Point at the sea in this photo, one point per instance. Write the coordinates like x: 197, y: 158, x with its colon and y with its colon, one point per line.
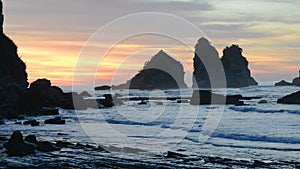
x: 258, y: 131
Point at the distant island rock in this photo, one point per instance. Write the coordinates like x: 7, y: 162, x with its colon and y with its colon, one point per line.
x: 293, y: 98
x: 295, y: 82
x: 161, y: 72
x: 104, y: 87
x: 283, y: 83
x: 235, y: 66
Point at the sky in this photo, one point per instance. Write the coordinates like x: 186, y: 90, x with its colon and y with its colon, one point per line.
x: 51, y: 35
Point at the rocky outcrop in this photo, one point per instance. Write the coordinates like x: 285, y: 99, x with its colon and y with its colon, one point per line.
x: 16, y: 146
x: 161, y: 72
x: 234, y: 64
x: 236, y: 68
x: 104, y: 87
x: 206, y: 97
x: 296, y: 81
x: 293, y: 98
x: 13, y: 76
x: 283, y: 83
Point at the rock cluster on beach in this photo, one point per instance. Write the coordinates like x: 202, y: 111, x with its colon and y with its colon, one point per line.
x: 161, y: 72
x: 235, y: 66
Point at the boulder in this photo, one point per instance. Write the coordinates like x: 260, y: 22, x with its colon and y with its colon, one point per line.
x: 16, y: 146
x: 44, y: 146
x: 296, y: 81
x: 293, y: 98
x: 56, y: 120
x: 234, y: 64
x: 31, y: 122
x: 104, y: 87
x: 161, y: 72
x: 204, y: 97
x: 106, y: 102
x: 283, y: 83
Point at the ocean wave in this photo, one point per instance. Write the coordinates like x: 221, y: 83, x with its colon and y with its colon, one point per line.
x: 127, y: 122
x: 244, y: 137
x: 253, y: 109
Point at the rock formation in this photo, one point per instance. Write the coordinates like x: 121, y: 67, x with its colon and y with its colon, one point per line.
x: 203, y: 50
x: 293, y: 98
x: 206, y: 97
x: 235, y: 66
x: 13, y: 76
x: 161, y: 72
x: 283, y: 83
x: 296, y: 81
x: 16, y: 146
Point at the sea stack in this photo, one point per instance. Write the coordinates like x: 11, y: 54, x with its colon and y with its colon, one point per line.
x: 160, y: 72
x: 203, y: 50
x: 234, y: 64
x: 13, y: 76
x: 236, y: 68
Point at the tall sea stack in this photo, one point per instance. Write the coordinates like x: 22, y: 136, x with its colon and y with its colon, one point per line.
x: 13, y: 76
x: 235, y: 66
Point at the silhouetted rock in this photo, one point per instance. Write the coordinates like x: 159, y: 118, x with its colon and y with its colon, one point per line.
x: 296, y: 81
x: 293, y: 98
x: 17, y: 146
x: 283, y: 83
x: 44, y: 146
x: 104, y: 87
x: 161, y: 72
x: 56, y: 120
x: 13, y: 76
x: 235, y: 66
x: 263, y: 102
x: 171, y: 154
x: 31, y: 122
x: 205, y: 97
x: 106, y: 102
x: 85, y: 94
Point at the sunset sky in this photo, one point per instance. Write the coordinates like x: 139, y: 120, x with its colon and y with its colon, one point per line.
x: 51, y: 33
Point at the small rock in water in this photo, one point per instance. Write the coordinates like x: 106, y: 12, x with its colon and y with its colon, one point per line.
x: 16, y: 146
x: 183, y: 101
x: 18, y: 122
x: 56, y: 120
x: 142, y: 103
x: 263, y: 102
x: 171, y: 154
x: 44, y: 146
x: 31, y: 122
